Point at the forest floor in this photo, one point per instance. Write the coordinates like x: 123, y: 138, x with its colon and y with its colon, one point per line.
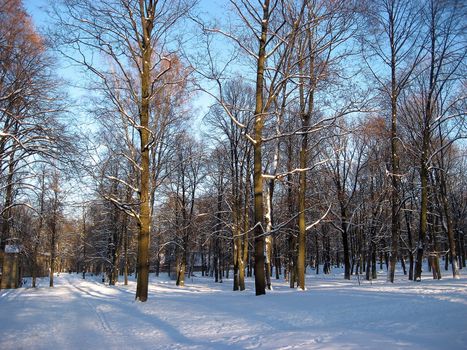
x: 330, y: 314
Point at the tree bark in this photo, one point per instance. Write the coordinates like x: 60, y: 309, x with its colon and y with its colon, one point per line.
x: 144, y: 222
x: 260, y: 285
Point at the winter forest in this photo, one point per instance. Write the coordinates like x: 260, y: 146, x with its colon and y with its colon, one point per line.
x: 164, y: 161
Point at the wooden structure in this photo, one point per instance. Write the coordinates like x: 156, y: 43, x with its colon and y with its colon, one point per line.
x: 11, y: 267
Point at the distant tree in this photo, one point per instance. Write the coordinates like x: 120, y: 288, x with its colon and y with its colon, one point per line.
x: 260, y: 23
x: 29, y: 107
x: 392, y: 40
x: 373, y: 183
x: 54, y: 213
x: 432, y: 103
x: 185, y: 180
x: 328, y: 25
x: 227, y: 136
x: 345, y: 166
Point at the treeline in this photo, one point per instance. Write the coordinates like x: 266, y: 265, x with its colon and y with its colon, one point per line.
x: 34, y: 142
x: 335, y: 138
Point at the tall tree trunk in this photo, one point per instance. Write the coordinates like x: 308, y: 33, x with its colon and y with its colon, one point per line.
x: 126, y: 240
x: 424, y: 177
x: 395, y: 230
x: 290, y: 206
x: 126, y: 260
x: 395, y: 171
x: 144, y: 222
x: 268, y: 238
x: 462, y: 252
x: 277, y: 259
x: 374, y: 273
x: 448, y: 226
x: 268, y: 217
x: 6, y: 213
x: 246, y: 225
x: 317, y: 253
x: 345, y: 242
x: 435, y: 252
x: 410, y: 244
x: 182, y: 268
x: 260, y: 287
x: 424, y: 173
x: 447, y: 217
x: 236, y: 259
x: 301, y: 258
x: 52, y: 250
x: 39, y: 229
x: 306, y: 109
x: 216, y: 253
x: 236, y: 221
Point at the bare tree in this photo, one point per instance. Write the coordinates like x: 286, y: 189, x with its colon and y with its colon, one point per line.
x: 430, y: 104
x: 137, y: 38
x: 393, y: 41
x: 31, y: 134
x: 223, y: 131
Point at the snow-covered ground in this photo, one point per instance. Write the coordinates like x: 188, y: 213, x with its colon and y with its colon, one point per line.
x: 330, y: 314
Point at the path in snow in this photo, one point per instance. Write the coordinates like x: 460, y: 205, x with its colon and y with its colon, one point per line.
x: 332, y: 313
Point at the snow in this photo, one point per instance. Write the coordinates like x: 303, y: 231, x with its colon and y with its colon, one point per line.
x: 331, y: 314
x: 12, y: 249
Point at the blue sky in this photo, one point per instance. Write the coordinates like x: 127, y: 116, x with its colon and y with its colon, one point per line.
x: 37, y: 10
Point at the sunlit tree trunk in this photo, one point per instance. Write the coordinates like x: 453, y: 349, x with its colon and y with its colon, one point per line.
x: 246, y: 224
x: 147, y: 16
x: 53, y: 226
x: 259, y: 115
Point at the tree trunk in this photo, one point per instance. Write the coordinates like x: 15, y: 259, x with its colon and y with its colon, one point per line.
x: 260, y: 287
x: 6, y: 213
x: 126, y: 260
x: 435, y: 254
x: 52, y: 254
x: 246, y: 227
x: 181, y: 270
x: 424, y: 174
x: 449, y: 227
x: 268, y: 223
x: 236, y: 260
x: 147, y: 18
x: 345, y: 244
x: 462, y: 253
x: 409, y: 238
x: 305, y: 116
x: 39, y: 230
x: 277, y: 259
x: 395, y: 171
x: 216, y: 252
x: 317, y: 253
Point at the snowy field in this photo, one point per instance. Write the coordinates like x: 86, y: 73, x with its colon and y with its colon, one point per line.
x: 331, y: 314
